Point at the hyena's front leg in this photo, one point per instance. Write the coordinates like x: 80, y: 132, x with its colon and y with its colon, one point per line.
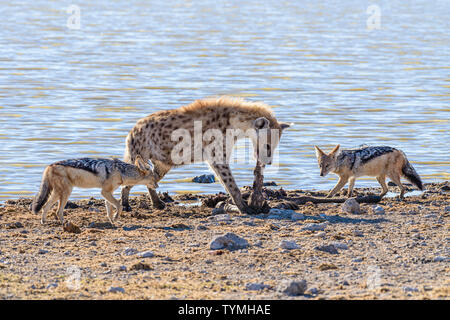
x: 341, y: 183
x: 225, y: 176
x: 125, y: 195
x: 160, y: 171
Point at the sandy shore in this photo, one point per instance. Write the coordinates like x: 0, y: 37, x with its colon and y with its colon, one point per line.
x: 398, y: 250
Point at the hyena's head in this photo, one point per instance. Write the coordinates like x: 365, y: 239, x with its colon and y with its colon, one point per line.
x: 147, y: 175
x: 265, y: 138
x: 327, y: 162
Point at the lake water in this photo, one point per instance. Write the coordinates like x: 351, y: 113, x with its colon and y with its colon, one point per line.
x: 67, y: 93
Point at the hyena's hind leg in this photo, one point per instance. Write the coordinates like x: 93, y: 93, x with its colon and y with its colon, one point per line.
x: 382, y: 181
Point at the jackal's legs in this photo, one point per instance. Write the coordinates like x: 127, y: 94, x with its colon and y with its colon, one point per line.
x: 382, y: 181
x: 53, y: 199
x: 396, y: 179
x: 62, y: 204
x: 108, y: 196
x: 351, y: 184
x: 341, y: 183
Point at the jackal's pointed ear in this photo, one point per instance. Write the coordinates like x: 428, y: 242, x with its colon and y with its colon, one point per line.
x: 261, y: 123
x: 142, y: 166
x: 335, y: 150
x: 285, y: 125
x: 319, y: 152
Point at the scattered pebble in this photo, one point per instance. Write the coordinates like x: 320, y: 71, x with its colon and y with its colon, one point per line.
x: 297, y: 216
x: 256, y: 286
x: 130, y: 251
x: 294, y: 288
x: 315, y: 226
x: 351, y: 206
x: 145, y: 254
x: 229, y: 241
x: 289, y: 245
x: 71, y: 228
x: 327, y: 248
x: 116, y: 290
x: 340, y: 245
x: 204, y: 178
x: 378, y: 210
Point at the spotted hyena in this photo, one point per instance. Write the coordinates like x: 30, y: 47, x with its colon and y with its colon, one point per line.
x: 203, y: 131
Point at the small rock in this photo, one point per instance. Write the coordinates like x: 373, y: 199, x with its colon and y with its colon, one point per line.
x: 410, y: 289
x: 358, y: 233
x: 222, y: 217
x: 297, y: 216
x: 340, y: 245
x: 256, y: 286
x: 294, y: 288
x: 327, y: 266
x: 71, y: 228
x: 313, y: 291
x: 14, y: 225
x: 42, y: 251
x: 141, y: 266
x: 129, y: 251
x: 327, y: 248
x: 103, y: 264
x: 71, y: 205
x: 276, y: 213
x: 51, y: 286
x: 351, y: 206
x: 204, y: 178
x: 357, y: 260
x: 441, y: 259
x: 146, y: 254
x: 378, y: 210
x: 122, y: 268
x: 289, y: 245
x: 116, y: 290
x: 229, y: 241
x: 315, y: 226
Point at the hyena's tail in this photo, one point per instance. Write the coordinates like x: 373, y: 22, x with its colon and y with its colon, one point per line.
x: 411, y: 175
x: 44, y: 193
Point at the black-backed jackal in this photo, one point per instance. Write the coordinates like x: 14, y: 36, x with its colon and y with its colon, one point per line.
x: 59, y: 179
x: 379, y: 162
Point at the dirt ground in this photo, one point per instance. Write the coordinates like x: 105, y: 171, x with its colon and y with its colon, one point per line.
x: 391, y: 250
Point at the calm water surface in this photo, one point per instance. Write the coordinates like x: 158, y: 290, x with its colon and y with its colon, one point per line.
x: 68, y: 93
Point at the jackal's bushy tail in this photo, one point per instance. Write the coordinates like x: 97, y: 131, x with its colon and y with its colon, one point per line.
x: 43, y: 195
x: 410, y: 173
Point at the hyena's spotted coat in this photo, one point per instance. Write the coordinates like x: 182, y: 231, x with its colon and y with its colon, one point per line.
x: 151, y: 138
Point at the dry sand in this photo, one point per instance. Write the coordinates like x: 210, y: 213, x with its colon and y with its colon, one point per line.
x: 397, y: 252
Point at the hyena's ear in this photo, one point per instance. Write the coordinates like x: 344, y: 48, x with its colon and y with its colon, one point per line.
x: 285, y: 125
x: 335, y: 150
x: 261, y: 123
x: 141, y: 165
x: 319, y: 152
